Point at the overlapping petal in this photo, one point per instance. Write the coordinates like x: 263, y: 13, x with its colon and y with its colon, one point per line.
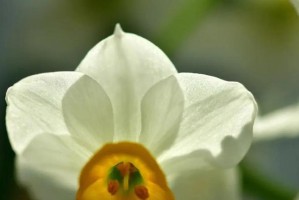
x: 60, y: 155
x: 126, y: 66
x: 35, y: 106
x: 162, y: 109
x: 50, y: 166
x: 217, y: 122
x: 87, y: 112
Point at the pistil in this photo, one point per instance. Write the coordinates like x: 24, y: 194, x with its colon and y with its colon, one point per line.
x: 126, y: 174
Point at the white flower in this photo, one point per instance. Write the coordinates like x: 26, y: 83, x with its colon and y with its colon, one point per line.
x: 131, y: 125
x: 278, y: 124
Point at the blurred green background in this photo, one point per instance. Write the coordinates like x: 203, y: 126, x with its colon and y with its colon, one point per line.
x: 255, y: 42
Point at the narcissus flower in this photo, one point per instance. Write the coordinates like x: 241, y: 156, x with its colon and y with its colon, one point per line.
x: 125, y: 125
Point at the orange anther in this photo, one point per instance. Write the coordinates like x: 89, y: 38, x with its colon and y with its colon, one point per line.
x: 123, y: 168
x: 141, y: 192
x: 113, y: 187
x: 132, y: 168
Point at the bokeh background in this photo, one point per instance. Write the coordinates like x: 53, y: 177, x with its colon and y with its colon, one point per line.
x: 255, y: 42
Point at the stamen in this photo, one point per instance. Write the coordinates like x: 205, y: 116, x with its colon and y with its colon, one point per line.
x: 123, y: 171
x: 141, y: 192
x: 113, y: 187
x: 124, y: 168
x: 132, y: 168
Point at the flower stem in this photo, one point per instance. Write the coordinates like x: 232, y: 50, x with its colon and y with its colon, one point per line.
x: 183, y: 22
x: 257, y: 184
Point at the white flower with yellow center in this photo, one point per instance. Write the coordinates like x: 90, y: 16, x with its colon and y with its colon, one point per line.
x: 125, y: 125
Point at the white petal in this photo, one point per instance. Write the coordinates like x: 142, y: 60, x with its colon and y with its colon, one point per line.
x: 200, y: 159
x: 280, y: 123
x: 217, y: 121
x: 162, y: 109
x: 126, y: 66
x: 40, y: 185
x: 88, y: 113
x: 52, y: 163
x: 34, y: 106
x: 206, y: 185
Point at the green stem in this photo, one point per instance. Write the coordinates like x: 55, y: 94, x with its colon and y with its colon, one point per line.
x: 255, y: 183
x: 182, y: 23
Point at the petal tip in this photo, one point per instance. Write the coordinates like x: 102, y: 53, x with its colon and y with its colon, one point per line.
x: 8, y: 92
x: 118, y: 30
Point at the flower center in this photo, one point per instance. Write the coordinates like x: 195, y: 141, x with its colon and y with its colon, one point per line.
x: 123, y: 171
x: 125, y: 174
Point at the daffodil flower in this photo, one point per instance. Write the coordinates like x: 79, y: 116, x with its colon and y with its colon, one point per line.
x: 126, y: 125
